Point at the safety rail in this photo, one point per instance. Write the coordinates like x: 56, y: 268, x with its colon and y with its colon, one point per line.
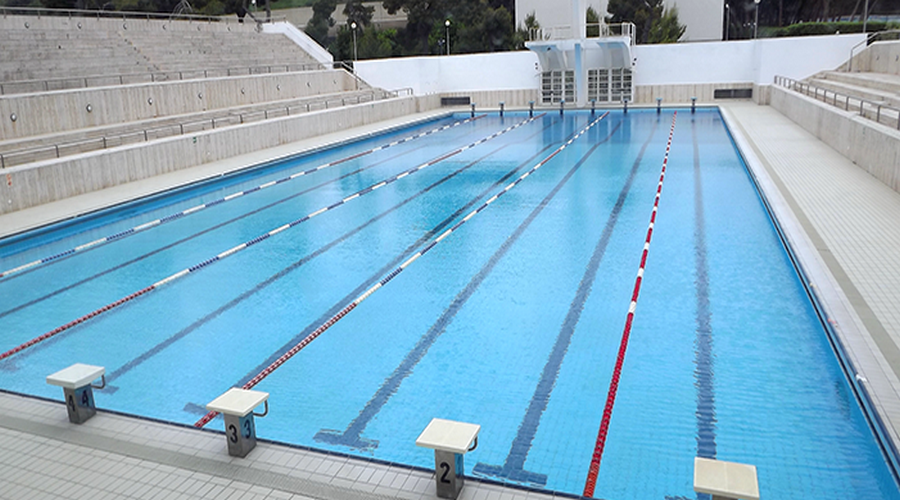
x: 123, y: 14
x: 869, y: 39
x: 80, y: 82
x: 49, y: 152
x: 592, y: 30
x: 872, y: 110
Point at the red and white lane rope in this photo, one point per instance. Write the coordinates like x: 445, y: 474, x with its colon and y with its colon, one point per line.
x: 262, y: 237
x: 623, y: 345
x: 178, y: 215
x: 393, y: 274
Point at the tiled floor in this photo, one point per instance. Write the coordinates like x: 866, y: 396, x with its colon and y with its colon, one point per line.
x: 841, y: 221
x: 111, y: 456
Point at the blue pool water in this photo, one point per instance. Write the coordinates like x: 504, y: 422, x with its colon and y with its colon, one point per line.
x: 513, y: 321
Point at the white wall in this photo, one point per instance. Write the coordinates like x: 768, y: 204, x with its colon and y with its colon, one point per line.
x: 675, y: 63
x: 755, y: 61
x: 745, y: 61
x: 802, y: 57
x: 438, y: 74
x: 303, y: 40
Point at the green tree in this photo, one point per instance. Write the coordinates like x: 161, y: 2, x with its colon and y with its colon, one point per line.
x: 526, y: 33
x: 356, y: 11
x: 321, y: 20
x: 640, y: 12
x: 592, y: 18
x: 666, y: 29
x: 476, y: 25
x: 372, y: 43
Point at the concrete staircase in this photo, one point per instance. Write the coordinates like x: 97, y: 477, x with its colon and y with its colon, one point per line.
x: 46, y: 49
x: 880, y: 88
x: 215, y: 90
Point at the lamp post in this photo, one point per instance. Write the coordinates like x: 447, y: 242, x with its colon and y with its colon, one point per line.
x: 756, y: 22
x: 447, y: 26
x: 353, y: 27
x: 865, y: 16
x: 727, y: 20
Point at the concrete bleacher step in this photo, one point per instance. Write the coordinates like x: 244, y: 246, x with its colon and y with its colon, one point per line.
x: 877, y: 81
x: 32, y: 54
x: 874, y: 95
x: 38, y: 148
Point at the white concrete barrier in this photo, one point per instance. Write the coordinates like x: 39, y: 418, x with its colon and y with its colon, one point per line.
x: 42, y: 182
x: 57, y: 111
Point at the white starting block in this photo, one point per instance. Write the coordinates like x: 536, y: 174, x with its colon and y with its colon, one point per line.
x: 450, y: 441
x: 77, y: 389
x: 236, y: 407
x: 725, y: 480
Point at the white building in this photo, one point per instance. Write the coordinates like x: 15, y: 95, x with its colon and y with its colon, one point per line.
x: 702, y: 18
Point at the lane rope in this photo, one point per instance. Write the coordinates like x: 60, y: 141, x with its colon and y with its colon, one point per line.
x: 393, y: 274
x: 260, y: 238
x: 232, y: 196
x: 623, y: 345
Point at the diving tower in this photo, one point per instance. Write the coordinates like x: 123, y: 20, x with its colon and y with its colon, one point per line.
x: 581, y: 63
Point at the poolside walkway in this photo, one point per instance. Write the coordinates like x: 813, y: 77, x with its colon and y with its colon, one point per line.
x: 841, y: 221
x: 43, y: 456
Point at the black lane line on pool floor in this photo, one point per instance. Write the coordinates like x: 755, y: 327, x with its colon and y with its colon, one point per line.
x: 177, y: 215
x: 376, y: 277
x: 293, y: 351
x: 703, y: 358
x: 263, y: 237
x: 134, y: 363
x: 183, y: 240
x: 352, y: 436
x: 513, y: 467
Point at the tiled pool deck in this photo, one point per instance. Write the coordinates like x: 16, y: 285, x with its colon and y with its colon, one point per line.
x: 841, y: 221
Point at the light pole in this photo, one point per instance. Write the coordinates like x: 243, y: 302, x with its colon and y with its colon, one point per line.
x: 447, y: 26
x: 865, y: 16
x: 727, y: 20
x: 756, y: 22
x: 353, y: 27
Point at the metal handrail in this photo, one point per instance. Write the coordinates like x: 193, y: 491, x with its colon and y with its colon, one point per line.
x: 805, y: 88
x: 866, y: 42
x: 123, y: 14
x: 350, y: 68
x: 401, y: 92
x: 160, y: 76
x: 8, y: 158
x: 565, y: 31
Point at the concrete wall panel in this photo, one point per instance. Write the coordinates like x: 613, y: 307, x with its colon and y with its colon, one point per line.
x: 43, y: 182
x: 48, y: 112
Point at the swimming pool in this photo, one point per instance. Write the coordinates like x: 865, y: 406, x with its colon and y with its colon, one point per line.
x: 513, y: 321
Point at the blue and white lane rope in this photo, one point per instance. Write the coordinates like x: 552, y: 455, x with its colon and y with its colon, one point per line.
x: 258, y: 239
x: 393, y: 274
x: 178, y: 215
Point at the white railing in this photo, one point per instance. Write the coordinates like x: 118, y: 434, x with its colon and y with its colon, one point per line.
x: 80, y: 82
x: 225, y: 118
x: 592, y: 30
x: 865, y: 43
x: 120, y: 14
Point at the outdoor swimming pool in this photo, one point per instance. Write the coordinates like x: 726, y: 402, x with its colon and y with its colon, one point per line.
x: 514, y: 320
